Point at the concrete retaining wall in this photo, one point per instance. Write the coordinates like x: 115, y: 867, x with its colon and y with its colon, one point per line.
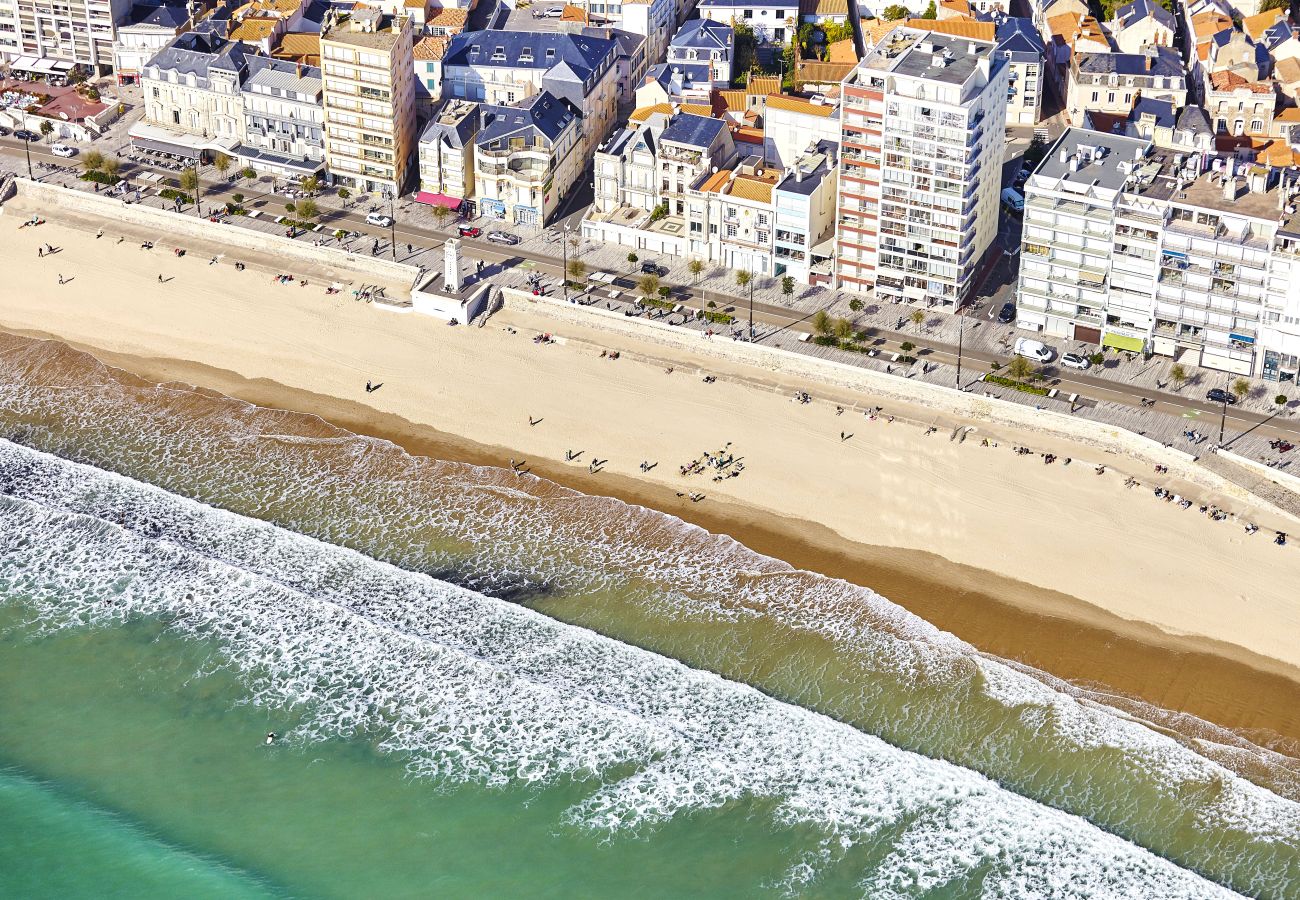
x: 1277, y: 476
x: 881, y: 387
x: 50, y: 197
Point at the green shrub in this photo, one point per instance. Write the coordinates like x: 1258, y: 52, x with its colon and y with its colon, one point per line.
x: 1018, y: 385
x: 101, y: 177
x: 718, y: 318
x: 173, y: 194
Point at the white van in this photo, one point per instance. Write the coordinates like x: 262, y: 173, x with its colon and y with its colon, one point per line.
x: 1014, y: 199
x: 1035, y: 350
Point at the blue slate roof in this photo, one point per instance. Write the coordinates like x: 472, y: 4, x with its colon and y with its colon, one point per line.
x: 703, y: 34
x: 542, y: 114
x: 1166, y: 64
x: 676, y: 77
x: 693, y: 131
x: 197, y: 54
x: 582, y: 54
x: 1141, y: 9
x: 1162, y: 110
x: 1017, y: 35
x: 159, y: 14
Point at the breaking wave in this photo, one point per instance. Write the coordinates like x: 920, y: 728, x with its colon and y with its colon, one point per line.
x: 468, y: 688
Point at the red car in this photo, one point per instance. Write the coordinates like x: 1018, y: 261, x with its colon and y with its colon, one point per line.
x: 470, y: 231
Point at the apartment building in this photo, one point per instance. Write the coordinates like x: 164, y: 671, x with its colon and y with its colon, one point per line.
x: 193, y: 99
x: 149, y: 28
x: 923, y: 118
x: 803, y: 237
x: 792, y: 124
x: 1026, y: 55
x: 283, y: 118
x: 51, y: 38
x: 773, y: 21
x: 1143, y: 249
x: 447, y: 156
x: 505, y: 67
x: 368, y: 94
x: 702, y: 41
x: 1109, y: 82
x: 526, y: 159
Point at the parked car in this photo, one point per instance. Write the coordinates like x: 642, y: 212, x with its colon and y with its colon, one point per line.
x: 1219, y: 395
x: 1013, y: 200
x: 63, y: 150
x: 1035, y: 350
x: 4, y: 132
x: 1075, y: 361
x: 470, y: 231
x: 503, y: 237
x: 24, y: 135
x: 379, y: 219
x: 649, y: 267
x: 1007, y: 314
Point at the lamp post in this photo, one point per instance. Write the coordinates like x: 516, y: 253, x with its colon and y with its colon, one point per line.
x: 961, y: 328
x: 392, y: 222
x: 564, y: 251
x: 751, y: 305
x: 1223, y: 415
x: 27, y: 146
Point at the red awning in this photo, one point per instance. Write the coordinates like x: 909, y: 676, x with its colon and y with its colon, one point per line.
x: 452, y: 203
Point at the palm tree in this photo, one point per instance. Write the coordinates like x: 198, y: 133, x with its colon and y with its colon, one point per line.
x: 222, y: 164
x: 743, y: 277
x: 190, y: 185
x: 695, y: 267
x: 1177, y: 375
x: 440, y: 213
x: 310, y: 185
x: 93, y: 161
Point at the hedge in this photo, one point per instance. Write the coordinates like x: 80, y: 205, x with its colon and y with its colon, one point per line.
x: 1018, y: 385
x: 101, y: 177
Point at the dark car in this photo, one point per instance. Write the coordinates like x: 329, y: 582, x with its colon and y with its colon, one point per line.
x: 470, y: 231
x: 1007, y: 314
x: 653, y: 268
x: 1219, y: 395
x: 24, y: 135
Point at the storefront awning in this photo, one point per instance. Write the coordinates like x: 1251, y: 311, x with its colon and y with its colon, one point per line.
x: 164, y: 147
x: 452, y: 203
x: 1122, y: 342
x: 25, y: 64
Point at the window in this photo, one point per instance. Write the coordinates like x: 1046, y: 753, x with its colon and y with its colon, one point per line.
x: 762, y: 218
x: 748, y: 14
x: 731, y: 231
x: 1094, y: 96
x: 1256, y: 126
x: 1110, y: 98
x: 176, y: 117
x: 155, y: 93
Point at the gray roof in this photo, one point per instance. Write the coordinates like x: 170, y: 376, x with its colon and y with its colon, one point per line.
x: 198, y: 55
x: 582, y: 54
x: 692, y: 130
x: 282, y: 75
x: 1142, y: 9
x: 1019, y: 40
x: 815, y: 167
x: 677, y: 77
x: 1103, y: 170
x: 456, y: 122
x: 159, y: 15
x: 541, y: 114
x: 703, y: 34
x: 1194, y: 119
x: 628, y: 41
x: 1161, y: 110
x: 914, y: 53
x: 1165, y: 63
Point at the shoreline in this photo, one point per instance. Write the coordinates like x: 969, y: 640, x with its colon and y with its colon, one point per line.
x: 1045, y: 565
x: 1063, y: 636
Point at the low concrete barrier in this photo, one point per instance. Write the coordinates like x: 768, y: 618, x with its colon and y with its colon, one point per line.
x: 882, y: 386
x: 49, y: 197
x: 1277, y: 476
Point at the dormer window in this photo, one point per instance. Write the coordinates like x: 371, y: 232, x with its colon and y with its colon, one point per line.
x: 550, y: 53
x: 473, y: 49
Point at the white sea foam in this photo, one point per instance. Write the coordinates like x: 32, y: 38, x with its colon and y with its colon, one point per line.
x: 469, y: 688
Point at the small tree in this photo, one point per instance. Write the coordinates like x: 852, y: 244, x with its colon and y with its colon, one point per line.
x: 190, y: 184
x: 1097, y: 358
x: 917, y: 317
x: 344, y: 194
x: 665, y: 292
x: 856, y: 304
x: 633, y: 259
x: 1020, y: 368
x: 931, y: 11
x: 695, y: 267
x: 787, y: 285
x: 907, y: 346
x: 895, y: 12
x: 1240, y: 388
x: 250, y: 173
x: 93, y: 161
x: 1268, y: 5
x: 577, y: 269
x: 440, y: 213
x: 222, y: 163
x: 290, y: 206
x: 743, y: 277
x: 111, y: 165
x: 1280, y: 399
x: 310, y: 185
x: 46, y: 129
x: 821, y: 322
x: 648, y: 285
x: 1178, y: 375
x: 843, y: 329
x: 238, y: 198
x: 307, y: 209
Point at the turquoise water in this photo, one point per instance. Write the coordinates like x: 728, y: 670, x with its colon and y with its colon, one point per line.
x: 438, y: 741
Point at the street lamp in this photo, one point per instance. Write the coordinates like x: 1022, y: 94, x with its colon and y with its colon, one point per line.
x: 27, y: 145
x: 392, y: 222
x: 751, y: 306
x: 1223, y: 415
x: 961, y: 328
x: 564, y: 251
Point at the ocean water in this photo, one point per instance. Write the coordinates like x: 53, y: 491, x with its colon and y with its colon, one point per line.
x: 487, y: 685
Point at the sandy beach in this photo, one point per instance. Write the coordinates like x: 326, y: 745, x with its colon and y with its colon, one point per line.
x: 1053, y: 565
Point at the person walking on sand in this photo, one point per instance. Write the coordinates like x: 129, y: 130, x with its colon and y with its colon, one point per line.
x: 60, y: 279
x: 160, y: 279
x: 40, y: 251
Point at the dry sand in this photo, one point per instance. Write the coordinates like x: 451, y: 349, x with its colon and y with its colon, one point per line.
x: 998, y: 548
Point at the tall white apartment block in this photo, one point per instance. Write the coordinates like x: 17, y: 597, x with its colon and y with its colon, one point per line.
x: 369, y: 98
x: 1176, y: 254
x: 51, y: 37
x: 922, y: 133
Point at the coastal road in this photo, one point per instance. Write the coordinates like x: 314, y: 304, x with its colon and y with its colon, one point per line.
x: 770, y: 320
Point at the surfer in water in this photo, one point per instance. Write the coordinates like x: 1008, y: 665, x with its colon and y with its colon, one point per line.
x: 270, y: 737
